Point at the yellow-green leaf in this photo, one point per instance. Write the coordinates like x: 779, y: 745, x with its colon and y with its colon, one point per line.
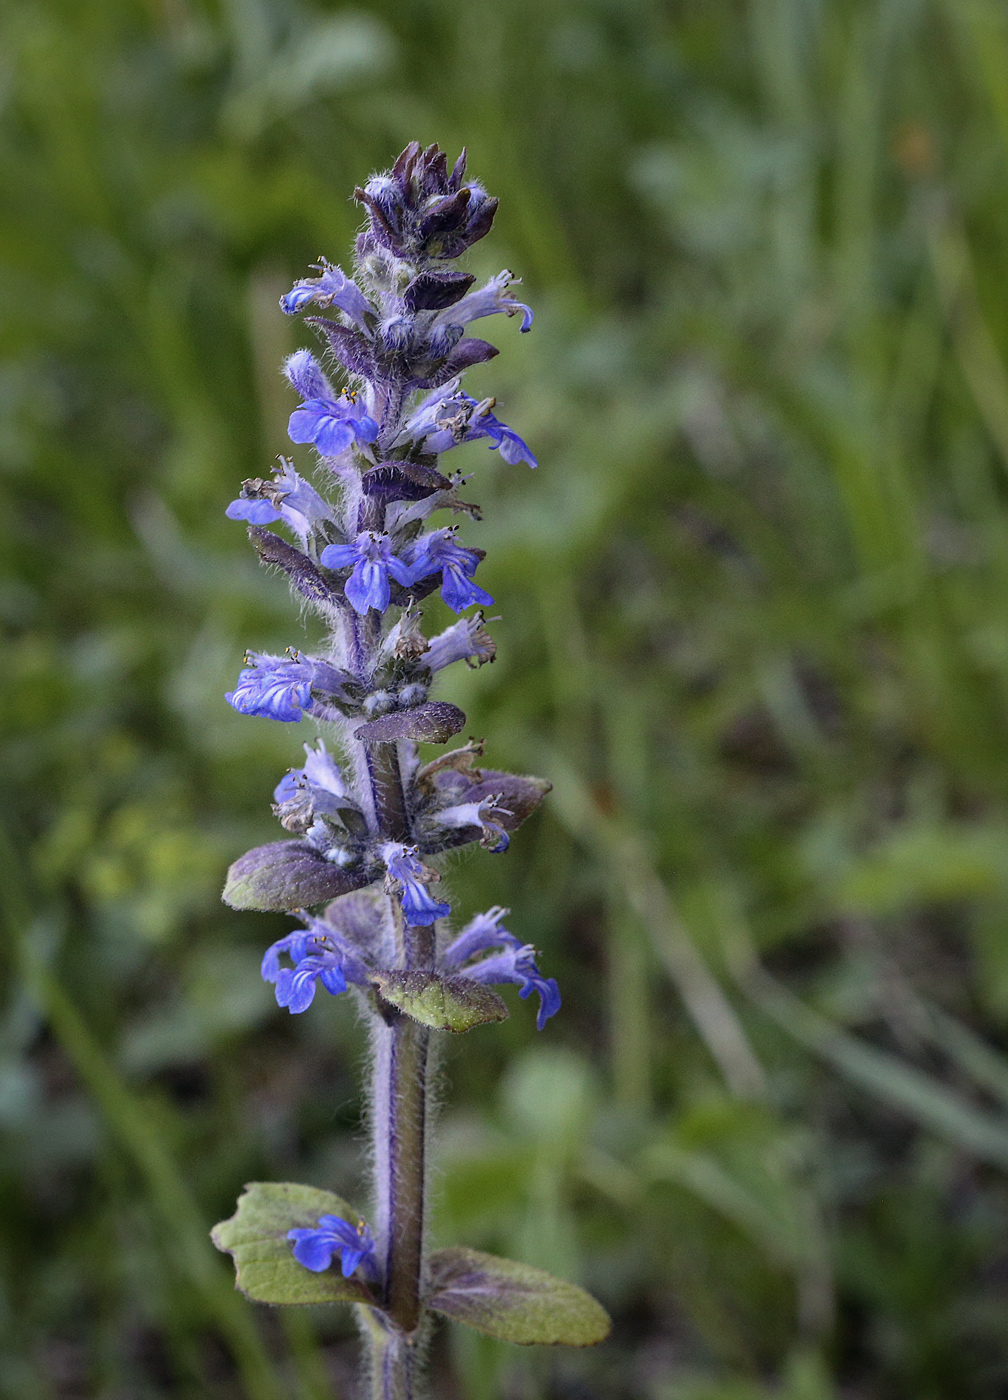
x: 443, y: 1003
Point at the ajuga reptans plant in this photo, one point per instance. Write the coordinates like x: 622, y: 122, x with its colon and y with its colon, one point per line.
x: 369, y: 823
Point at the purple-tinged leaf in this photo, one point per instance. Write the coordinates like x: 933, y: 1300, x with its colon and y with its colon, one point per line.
x: 406, y: 160
x: 379, y: 217
x: 286, y: 875
x: 350, y: 347
x: 513, y: 1302
x: 434, y: 722
x: 519, y: 794
x: 480, y: 225
x: 302, y: 571
x: 458, y: 171
x: 446, y: 215
x: 470, y: 351
x: 361, y: 918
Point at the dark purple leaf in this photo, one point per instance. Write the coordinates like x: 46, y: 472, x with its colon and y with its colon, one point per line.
x: 458, y: 171
x: 402, y: 481
x: 479, y: 226
x: 469, y: 351
x: 519, y: 794
x: 435, y: 168
x: 406, y: 160
x: 447, y: 214
x: 378, y: 220
x: 433, y: 291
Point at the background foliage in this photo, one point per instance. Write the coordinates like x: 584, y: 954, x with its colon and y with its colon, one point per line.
x: 754, y: 628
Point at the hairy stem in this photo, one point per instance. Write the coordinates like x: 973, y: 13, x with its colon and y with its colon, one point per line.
x: 393, y: 1359
x: 400, y: 1122
x: 399, y: 1127
x: 408, y: 1091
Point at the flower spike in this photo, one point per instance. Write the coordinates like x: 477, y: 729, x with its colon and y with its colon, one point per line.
x: 361, y: 532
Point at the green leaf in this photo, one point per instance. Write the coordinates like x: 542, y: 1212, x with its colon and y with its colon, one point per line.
x: 444, y: 1003
x: 256, y: 1237
x: 513, y: 1302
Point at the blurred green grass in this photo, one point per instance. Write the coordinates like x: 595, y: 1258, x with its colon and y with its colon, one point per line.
x: 754, y: 628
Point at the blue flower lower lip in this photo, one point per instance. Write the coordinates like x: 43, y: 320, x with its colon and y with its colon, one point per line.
x: 315, y: 1248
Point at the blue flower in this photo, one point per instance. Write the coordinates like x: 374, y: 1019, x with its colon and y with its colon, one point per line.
x: 515, y: 962
x: 353, y: 1243
x: 273, y: 687
x: 411, y: 877
x: 287, y: 497
x: 314, y: 961
x: 332, y: 425
x: 280, y: 687
x: 465, y: 640
x: 319, y: 953
x: 487, y: 300
x: 371, y: 559
x: 448, y: 417
x: 438, y: 552
x: 331, y: 288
